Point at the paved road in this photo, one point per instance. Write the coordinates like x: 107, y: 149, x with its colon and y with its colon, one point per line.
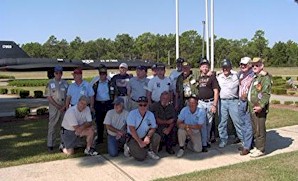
x: 103, y: 167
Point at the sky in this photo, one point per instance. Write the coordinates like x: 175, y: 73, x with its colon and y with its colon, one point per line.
x: 36, y: 20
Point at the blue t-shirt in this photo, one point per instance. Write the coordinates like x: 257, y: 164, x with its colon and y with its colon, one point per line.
x: 134, y: 119
x: 76, y: 91
x: 196, y: 118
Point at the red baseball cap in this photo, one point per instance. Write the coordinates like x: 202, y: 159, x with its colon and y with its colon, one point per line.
x: 77, y: 71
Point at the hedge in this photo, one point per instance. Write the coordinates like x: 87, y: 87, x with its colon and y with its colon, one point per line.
x: 6, y: 77
x: 278, y: 91
x: 41, y: 111
x: 3, y: 91
x: 29, y: 83
x: 21, y: 112
x: 15, y: 91
x: 38, y: 94
x: 24, y: 93
x: 275, y: 102
x: 288, y: 102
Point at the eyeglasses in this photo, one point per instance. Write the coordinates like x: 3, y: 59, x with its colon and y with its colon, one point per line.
x: 142, y: 105
x: 255, y: 65
x: 242, y: 64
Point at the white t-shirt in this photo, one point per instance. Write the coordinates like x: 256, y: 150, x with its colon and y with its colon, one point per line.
x: 157, y: 86
x: 116, y: 120
x: 74, y: 117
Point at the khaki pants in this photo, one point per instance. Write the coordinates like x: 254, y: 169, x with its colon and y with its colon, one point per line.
x: 55, y: 120
x: 140, y: 153
x: 196, y: 140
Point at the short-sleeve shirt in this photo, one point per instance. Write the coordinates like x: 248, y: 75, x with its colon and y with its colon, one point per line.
x: 116, y: 120
x: 165, y: 113
x: 57, y: 90
x: 120, y: 83
x: 157, y: 86
x: 74, y: 117
x: 206, y: 86
x: 134, y: 119
x: 76, y: 91
x: 137, y: 87
x: 196, y: 118
x: 228, y: 85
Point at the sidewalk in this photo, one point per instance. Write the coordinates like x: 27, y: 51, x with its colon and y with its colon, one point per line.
x: 103, y: 167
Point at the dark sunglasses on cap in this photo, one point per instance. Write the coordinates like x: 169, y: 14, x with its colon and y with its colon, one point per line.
x: 142, y: 105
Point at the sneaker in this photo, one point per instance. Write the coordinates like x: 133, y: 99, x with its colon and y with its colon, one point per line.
x: 256, y: 154
x: 180, y: 153
x: 253, y: 150
x: 90, y: 152
x: 222, y: 144
x: 152, y: 155
x: 61, y: 146
x: 126, y: 150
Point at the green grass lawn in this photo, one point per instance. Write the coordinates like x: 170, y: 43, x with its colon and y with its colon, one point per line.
x: 278, y: 167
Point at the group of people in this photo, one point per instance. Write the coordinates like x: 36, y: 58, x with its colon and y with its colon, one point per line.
x: 143, y: 114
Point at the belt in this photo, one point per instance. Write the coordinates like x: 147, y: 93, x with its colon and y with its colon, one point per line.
x: 207, y: 100
x: 229, y: 98
x: 103, y: 102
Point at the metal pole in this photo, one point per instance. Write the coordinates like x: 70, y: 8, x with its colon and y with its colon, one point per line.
x: 212, y: 33
x: 207, y: 30
x: 203, y: 40
x: 177, y: 29
x: 169, y: 58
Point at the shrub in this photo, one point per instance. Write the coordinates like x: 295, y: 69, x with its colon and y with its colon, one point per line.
x: 278, y: 91
x: 24, y: 93
x: 275, y: 102
x: 3, y: 91
x: 279, y: 82
x: 29, y: 83
x: 296, y: 103
x: 276, y: 77
x: 41, y: 111
x: 21, y: 112
x: 291, y: 92
x: 6, y: 77
x: 288, y: 102
x: 15, y: 91
x: 288, y: 78
x: 38, y: 94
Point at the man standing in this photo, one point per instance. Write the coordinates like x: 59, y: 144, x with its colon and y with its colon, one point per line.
x: 77, y: 123
x: 56, y: 93
x: 141, y: 125
x: 115, y: 122
x: 258, y: 97
x: 79, y: 88
x: 158, y: 85
x: 137, y: 86
x: 208, y: 99
x: 119, y: 83
x: 190, y: 121
x: 245, y: 78
x: 229, y: 84
x: 103, y: 99
x: 165, y: 116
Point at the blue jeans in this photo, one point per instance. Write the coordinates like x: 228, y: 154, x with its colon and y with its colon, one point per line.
x: 206, y: 127
x: 229, y: 107
x: 247, y: 125
x: 114, y: 145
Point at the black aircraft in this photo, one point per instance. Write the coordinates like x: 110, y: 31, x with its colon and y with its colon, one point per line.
x: 13, y: 58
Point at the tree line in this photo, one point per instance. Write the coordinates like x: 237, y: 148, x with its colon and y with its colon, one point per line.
x: 161, y: 48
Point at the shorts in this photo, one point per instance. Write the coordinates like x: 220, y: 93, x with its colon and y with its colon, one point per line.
x: 69, y: 138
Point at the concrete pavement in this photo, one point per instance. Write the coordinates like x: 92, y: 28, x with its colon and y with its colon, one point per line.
x: 103, y: 167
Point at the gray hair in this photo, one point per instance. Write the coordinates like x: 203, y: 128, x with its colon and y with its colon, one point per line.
x: 84, y: 98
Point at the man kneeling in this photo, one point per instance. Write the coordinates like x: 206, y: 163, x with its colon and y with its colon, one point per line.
x: 77, y: 123
x: 190, y: 121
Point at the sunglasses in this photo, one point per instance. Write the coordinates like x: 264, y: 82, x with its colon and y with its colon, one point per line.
x: 242, y: 64
x: 142, y: 105
x: 255, y: 65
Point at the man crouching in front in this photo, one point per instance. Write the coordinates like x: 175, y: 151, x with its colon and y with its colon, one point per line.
x: 77, y: 122
x: 141, y: 125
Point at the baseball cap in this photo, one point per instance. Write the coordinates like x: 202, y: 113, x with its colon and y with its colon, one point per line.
x: 58, y: 68
x: 124, y: 65
x: 160, y: 66
x: 154, y: 66
x: 102, y: 68
x: 245, y: 60
x: 184, y: 64
x: 77, y: 71
x: 180, y: 60
x: 257, y: 59
x: 142, y: 67
x: 204, y: 61
x: 226, y: 63
x: 118, y: 100
x: 142, y: 99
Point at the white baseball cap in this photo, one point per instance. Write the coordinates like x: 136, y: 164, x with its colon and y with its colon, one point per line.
x: 245, y: 60
x: 124, y: 65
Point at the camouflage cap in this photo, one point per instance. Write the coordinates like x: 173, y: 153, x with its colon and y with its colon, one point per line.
x: 257, y: 59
